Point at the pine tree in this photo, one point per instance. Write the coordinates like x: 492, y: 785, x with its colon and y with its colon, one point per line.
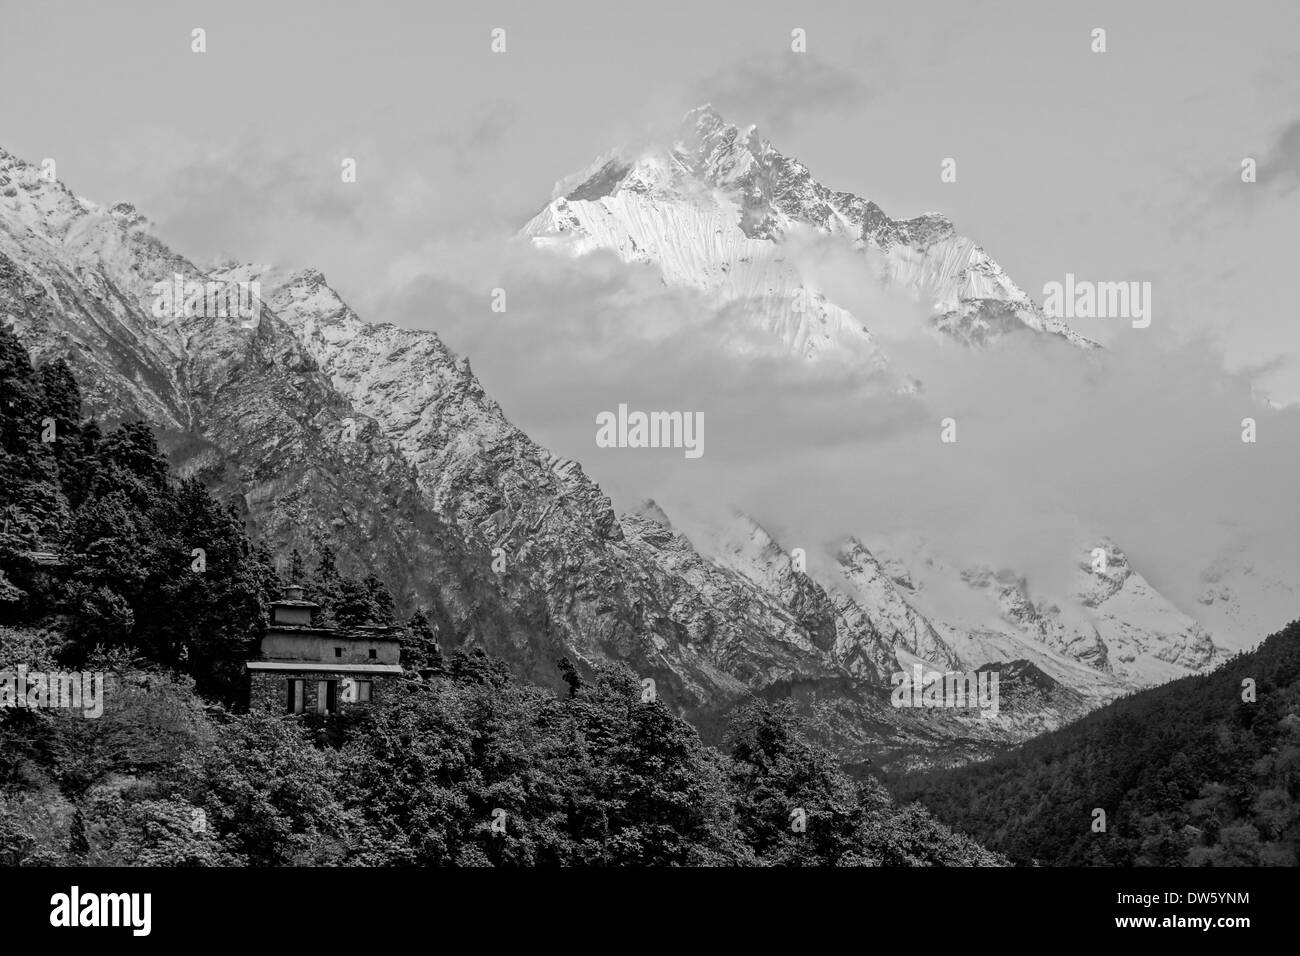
x: 420, y: 645
x: 20, y: 398
x: 326, y: 585
x: 128, y: 460
x: 795, y: 806
x: 33, y: 509
x: 297, y: 569
x: 381, y: 601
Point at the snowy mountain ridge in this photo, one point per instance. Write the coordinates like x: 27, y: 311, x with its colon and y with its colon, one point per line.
x: 383, y: 441
x: 716, y: 209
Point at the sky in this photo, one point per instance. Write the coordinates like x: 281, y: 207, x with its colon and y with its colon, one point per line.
x: 1117, y: 166
x: 1124, y: 164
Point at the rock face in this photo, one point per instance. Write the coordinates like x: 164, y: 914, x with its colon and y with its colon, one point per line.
x: 721, y: 210
x: 247, y: 408
x: 382, y: 441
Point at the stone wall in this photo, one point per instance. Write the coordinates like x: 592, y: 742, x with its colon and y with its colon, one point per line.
x: 269, y: 691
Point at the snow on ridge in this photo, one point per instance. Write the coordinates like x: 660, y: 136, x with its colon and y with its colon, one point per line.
x: 710, y: 210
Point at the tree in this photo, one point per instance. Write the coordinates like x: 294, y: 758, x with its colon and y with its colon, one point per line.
x: 647, y: 792
x: 33, y: 508
x: 363, y: 602
x: 326, y: 584
x: 128, y: 461
x: 272, y: 796
x: 420, y: 645
x: 297, y: 569
x: 61, y: 404
x: 793, y: 805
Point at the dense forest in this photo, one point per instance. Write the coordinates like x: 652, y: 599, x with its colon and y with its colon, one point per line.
x: 109, y: 563
x: 1203, y: 771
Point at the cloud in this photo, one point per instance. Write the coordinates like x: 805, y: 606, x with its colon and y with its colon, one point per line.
x: 249, y: 198
x: 487, y: 129
x: 257, y: 199
x: 781, y: 88
x: 1279, y: 167
x: 1055, y: 448
x: 1141, y: 443
x: 1224, y: 194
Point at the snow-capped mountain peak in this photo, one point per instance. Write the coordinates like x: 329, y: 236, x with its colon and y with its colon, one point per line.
x: 715, y: 209
x: 383, y: 439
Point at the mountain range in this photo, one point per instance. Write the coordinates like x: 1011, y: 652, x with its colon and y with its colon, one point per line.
x: 323, y: 425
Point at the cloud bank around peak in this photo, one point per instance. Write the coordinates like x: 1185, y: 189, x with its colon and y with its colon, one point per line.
x: 1140, y: 443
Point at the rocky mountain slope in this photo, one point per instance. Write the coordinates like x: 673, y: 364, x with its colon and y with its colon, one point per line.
x: 247, y: 408
x: 721, y: 210
x: 382, y: 441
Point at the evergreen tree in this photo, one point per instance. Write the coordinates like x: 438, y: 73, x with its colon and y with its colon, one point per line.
x: 363, y: 602
x: 381, y: 601
x: 61, y: 407
x: 33, y: 508
x: 326, y: 584
x: 420, y: 645
x: 127, y: 460
x: 794, y: 805
x: 297, y: 569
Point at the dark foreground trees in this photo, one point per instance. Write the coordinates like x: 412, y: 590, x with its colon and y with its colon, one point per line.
x: 474, y: 769
x: 157, y: 585
x: 469, y: 768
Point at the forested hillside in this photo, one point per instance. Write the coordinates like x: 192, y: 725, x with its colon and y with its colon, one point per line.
x: 109, y: 563
x: 1203, y: 771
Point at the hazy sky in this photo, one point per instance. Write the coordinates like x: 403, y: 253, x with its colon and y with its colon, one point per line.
x: 1123, y: 165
